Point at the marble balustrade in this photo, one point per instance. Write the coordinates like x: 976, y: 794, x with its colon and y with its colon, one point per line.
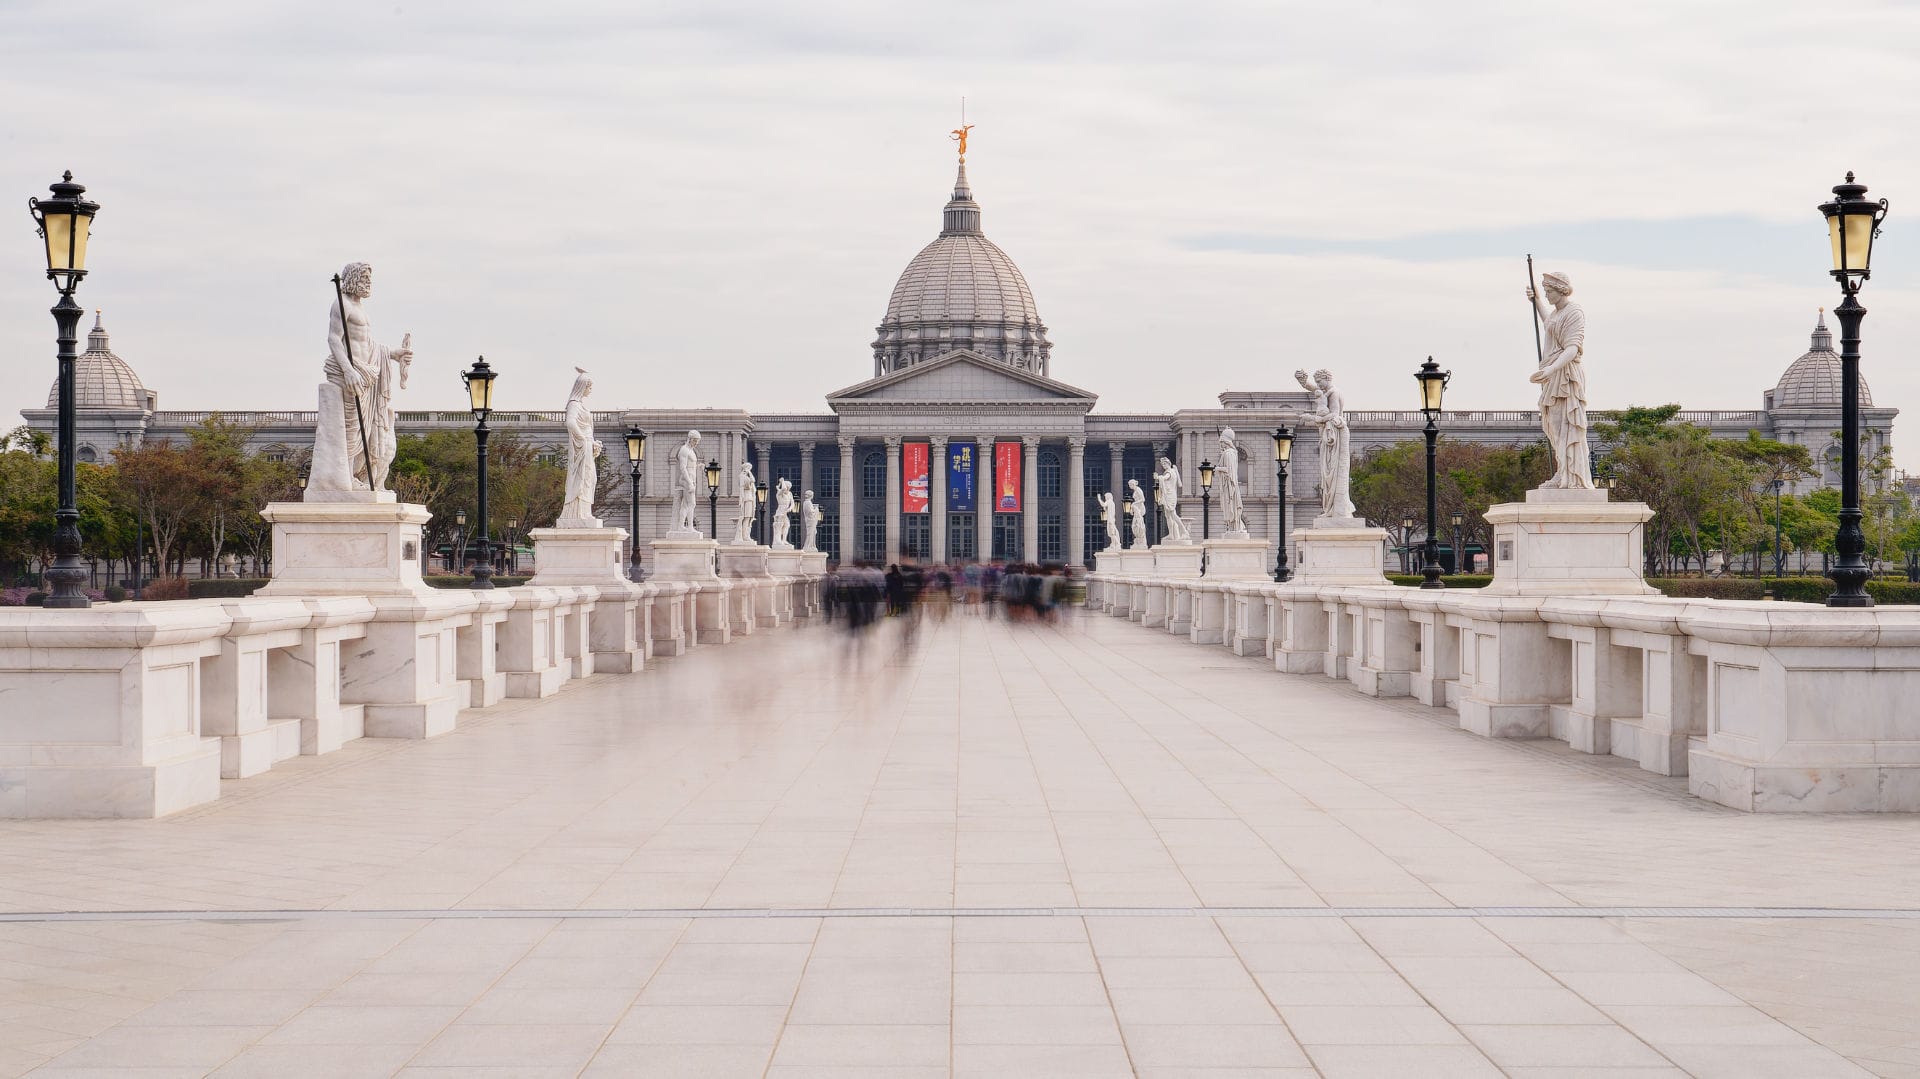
x: 142, y: 709
x: 1762, y: 706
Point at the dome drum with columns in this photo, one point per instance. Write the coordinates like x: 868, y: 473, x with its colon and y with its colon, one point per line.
x: 962, y: 372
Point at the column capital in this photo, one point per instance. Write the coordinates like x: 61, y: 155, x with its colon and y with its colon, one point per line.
x: 892, y: 441
x: 938, y: 442
x: 1116, y: 450
x: 846, y: 443
x: 1030, y: 441
x: 806, y: 447
x: 1077, y: 443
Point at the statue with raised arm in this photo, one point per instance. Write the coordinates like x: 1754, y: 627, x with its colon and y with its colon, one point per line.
x: 782, y: 516
x: 1137, y: 527
x: 1562, y: 377
x: 1226, y: 480
x: 1110, y: 519
x: 686, y: 478
x: 1336, y: 462
x: 743, y: 503
x: 354, y: 443
x: 809, y: 522
x: 1166, y: 490
x: 583, y: 473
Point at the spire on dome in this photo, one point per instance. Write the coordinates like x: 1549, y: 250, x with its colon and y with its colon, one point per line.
x: 97, y: 338
x: 1822, y: 337
x: 962, y: 214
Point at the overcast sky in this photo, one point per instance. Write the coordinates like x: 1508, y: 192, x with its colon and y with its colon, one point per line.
x: 707, y: 203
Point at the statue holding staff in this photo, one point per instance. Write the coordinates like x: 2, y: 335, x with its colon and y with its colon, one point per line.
x: 1562, y: 378
x: 355, y: 443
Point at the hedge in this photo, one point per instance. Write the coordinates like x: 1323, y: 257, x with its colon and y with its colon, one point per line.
x: 223, y: 587
x: 1458, y: 580
x: 466, y: 581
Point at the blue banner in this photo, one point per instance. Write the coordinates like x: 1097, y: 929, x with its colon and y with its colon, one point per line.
x: 960, y: 458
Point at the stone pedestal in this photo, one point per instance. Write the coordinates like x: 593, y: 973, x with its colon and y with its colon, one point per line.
x: 692, y: 560
x: 368, y: 547
x: 578, y: 556
x: 1340, y: 551
x: 1170, y: 560
x: 785, y: 567
x: 1568, y: 543
x: 745, y: 566
x: 1238, y: 558
x: 234, y: 703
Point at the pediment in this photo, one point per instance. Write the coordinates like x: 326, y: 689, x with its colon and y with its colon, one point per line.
x: 961, y: 377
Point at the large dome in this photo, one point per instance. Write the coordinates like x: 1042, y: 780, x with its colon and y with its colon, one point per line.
x: 1813, y: 380
x: 101, y: 379
x: 961, y: 291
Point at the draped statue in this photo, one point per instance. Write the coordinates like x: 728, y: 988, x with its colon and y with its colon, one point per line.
x: 1226, y: 479
x: 1336, y: 460
x: 782, y: 516
x: 743, y: 502
x: 583, y: 472
x: 1167, y: 486
x: 1562, y: 377
x: 354, y: 441
x: 1138, y: 524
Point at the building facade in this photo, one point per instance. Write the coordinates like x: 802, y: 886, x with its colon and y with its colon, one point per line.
x: 962, y: 445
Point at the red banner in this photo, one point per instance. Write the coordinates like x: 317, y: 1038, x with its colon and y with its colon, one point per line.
x: 1006, y: 477
x: 913, y: 462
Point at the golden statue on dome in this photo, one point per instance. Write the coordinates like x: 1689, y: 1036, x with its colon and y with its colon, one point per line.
x: 959, y: 135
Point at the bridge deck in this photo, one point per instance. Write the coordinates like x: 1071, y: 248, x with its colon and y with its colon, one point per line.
x: 1089, y: 849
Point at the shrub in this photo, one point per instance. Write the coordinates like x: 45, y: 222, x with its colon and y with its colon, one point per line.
x: 1457, y: 580
x: 36, y: 599
x: 465, y: 581
x: 115, y: 593
x: 14, y: 597
x: 223, y: 587
x: 165, y: 588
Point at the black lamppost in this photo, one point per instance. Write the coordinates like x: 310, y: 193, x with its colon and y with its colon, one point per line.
x: 1206, y: 500
x: 479, y: 380
x: 1406, y: 543
x: 1779, y: 551
x: 1852, y: 223
x: 1282, y: 456
x: 513, y: 545
x: 1433, y: 386
x: 636, y: 453
x: 458, y: 561
x: 760, y: 509
x: 1126, y: 517
x: 65, y: 221
x: 1459, y: 553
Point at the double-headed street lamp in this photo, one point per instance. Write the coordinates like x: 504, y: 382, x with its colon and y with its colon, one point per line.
x: 65, y: 221
x: 713, y: 499
x: 1433, y: 386
x: 636, y: 453
x: 1206, y: 500
x: 1852, y: 223
x: 479, y: 379
x: 1282, y: 456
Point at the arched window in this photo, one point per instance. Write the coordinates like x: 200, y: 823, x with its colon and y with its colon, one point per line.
x: 87, y: 455
x: 1049, y: 474
x: 873, y: 476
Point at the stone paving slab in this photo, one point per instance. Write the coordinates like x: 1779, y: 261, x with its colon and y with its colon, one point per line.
x: 1089, y: 849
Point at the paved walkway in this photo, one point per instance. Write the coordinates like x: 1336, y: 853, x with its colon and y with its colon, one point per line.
x: 1003, y: 851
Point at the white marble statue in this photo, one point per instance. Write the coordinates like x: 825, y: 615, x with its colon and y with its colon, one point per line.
x: 686, y: 478
x: 583, y: 454
x: 743, y: 503
x: 782, y: 516
x: 1226, y: 480
x: 1166, y: 490
x: 1562, y: 377
x: 356, y: 401
x: 809, y: 522
x: 1138, y: 525
x: 1336, y: 461
x: 1110, y: 518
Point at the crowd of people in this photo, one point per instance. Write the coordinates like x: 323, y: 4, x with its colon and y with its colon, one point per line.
x: 861, y: 594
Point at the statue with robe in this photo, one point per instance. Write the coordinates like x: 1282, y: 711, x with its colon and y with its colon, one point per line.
x: 354, y: 443
x: 1336, y: 460
x: 583, y: 473
x: 782, y: 515
x: 1110, y: 519
x: 1166, y: 490
x: 809, y: 522
x: 1138, y: 524
x: 743, y: 503
x: 1562, y: 377
x: 1226, y: 480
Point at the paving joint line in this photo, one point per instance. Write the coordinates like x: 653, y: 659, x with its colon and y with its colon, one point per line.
x: 658, y: 913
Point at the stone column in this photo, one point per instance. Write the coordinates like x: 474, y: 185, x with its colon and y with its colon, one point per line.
x: 1030, y: 505
x: 1116, y: 483
x: 847, y: 531
x: 763, y: 473
x: 983, y: 502
x: 893, y: 498
x: 937, y: 496
x: 1076, y: 501
x: 806, y: 470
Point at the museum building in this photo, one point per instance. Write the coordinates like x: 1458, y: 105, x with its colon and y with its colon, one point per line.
x: 962, y: 445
